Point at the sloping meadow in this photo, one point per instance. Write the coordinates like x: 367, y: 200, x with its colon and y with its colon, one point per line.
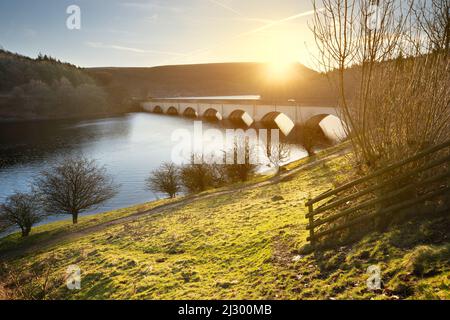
x: 245, y: 245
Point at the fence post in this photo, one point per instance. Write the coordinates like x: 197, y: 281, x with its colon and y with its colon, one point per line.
x: 311, y: 223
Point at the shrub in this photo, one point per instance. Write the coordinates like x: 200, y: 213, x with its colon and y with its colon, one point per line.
x: 165, y: 180
x: 242, y: 167
x: 198, y: 177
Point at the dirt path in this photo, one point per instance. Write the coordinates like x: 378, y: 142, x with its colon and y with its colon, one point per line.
x: 59, y: 238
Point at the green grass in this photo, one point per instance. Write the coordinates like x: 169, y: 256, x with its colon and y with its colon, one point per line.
x: 243, y: 245
x: 46, y: 231
x: 50, y: 230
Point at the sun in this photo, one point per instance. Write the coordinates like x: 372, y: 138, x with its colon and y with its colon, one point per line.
x: 279, y: 70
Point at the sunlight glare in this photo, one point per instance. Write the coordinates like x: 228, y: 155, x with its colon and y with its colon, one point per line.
x: 279, y: 70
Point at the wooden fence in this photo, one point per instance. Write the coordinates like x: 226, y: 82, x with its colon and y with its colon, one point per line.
x: 321, y: 215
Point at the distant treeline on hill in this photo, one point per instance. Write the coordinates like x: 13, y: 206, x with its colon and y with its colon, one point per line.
x: 219, y: 79
x: 46, y: 88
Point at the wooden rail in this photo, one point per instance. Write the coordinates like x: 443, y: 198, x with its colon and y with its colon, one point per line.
x: 398, y: 181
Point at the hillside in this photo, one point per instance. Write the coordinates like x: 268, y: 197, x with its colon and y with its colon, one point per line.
x: 248, y: 243
x: 17, y: 70
x: 219, y: 79
x: 46, y: 88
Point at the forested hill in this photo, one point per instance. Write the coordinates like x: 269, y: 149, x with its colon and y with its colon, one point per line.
x: 17, y: 70
x: 219, y: 79
x: 44, y: 88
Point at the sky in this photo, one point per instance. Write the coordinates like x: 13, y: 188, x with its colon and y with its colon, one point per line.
x: 144, y: 33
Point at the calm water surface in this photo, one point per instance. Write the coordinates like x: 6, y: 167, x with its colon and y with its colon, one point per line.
x: 129, y: 146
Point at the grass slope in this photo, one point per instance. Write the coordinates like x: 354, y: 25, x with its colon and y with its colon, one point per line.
x: 241, y: 245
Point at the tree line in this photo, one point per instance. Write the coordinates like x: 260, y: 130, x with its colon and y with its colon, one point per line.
x: 48, y: 88
x: 171, y: 179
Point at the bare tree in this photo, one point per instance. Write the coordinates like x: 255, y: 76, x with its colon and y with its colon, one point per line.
x: 278, y: 153
x: 74, y: 185
x: 394, y: 96
x: 165, y: 180
x: 22, y: 210
x: 433, y: 19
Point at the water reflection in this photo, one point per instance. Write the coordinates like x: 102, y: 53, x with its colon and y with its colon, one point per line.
x: 30, y: 142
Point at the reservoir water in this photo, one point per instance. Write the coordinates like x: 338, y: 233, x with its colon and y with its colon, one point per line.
x: 129, y: 146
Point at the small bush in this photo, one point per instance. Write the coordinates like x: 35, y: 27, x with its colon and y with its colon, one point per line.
x: 198, y: 177
x: 165, y: 180
x: 242, y: 167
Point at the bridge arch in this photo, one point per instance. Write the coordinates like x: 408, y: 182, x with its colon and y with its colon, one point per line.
x: 330, y: 125
x: 157, y: 109
x: 316, y: 120
x: 212, y: 114
x: 278, y: 120
x: 190, y: 113
x: 241, y: 117
x: 172, y: 111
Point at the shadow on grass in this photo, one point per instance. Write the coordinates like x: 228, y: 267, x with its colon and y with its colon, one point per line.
x: 426, y: 237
